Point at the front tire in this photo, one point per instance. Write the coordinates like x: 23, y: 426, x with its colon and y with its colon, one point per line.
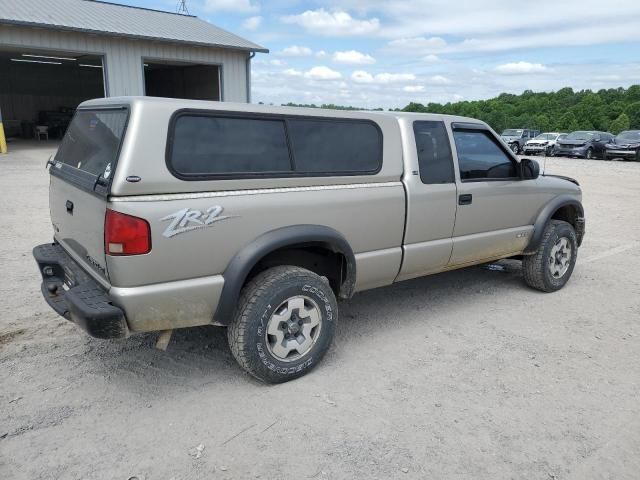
x: 515, y: 148
x: 550, y: 268
x: 589, y: 154
x: 284, y: 323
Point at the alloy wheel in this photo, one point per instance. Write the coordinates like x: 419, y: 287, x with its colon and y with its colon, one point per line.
x: 560, y: 258
x: 294, y: 328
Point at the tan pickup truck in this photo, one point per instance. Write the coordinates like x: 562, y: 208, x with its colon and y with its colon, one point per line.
x: 173, y: 213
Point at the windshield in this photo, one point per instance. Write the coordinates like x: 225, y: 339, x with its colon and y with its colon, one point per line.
x: 512, y: 132
x: 630, y: 136
x: 92, y: 141
x: 580, y: 136
x: 546, y: 136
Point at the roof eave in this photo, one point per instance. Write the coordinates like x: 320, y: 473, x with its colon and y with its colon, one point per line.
x: 257, y: 48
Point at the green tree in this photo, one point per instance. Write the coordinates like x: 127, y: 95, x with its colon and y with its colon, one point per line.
x: 620, y: 124
x: 633, y: 111
x: 567, y: 122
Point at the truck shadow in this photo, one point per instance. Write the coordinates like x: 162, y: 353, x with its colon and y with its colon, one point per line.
x: 200, y: 356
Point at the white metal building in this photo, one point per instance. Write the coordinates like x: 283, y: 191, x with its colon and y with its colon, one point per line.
x: 56, y: 54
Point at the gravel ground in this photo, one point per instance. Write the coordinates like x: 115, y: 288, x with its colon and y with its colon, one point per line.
x: 463, y: 375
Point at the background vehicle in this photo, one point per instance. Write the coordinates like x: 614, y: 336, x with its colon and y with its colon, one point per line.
x: 172, y: 213
x: 544, y: 143
x: 584, y: 144
x: 625, y: 145
x: 517, y: 137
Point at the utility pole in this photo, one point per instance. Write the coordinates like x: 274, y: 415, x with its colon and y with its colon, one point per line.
x: 182, y: 8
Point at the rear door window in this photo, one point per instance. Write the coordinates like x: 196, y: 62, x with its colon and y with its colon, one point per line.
x: 434, y: 152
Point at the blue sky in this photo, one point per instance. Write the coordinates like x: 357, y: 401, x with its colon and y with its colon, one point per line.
x: 373, y: 53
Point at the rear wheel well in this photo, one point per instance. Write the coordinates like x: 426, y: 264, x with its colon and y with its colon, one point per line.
x: 314, y: 257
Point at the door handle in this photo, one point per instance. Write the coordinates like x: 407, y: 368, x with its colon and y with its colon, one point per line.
x: 69, y: 206
x: 465, y: 199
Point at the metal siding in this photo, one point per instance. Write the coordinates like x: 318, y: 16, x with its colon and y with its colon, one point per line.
x: 120, y: 20
x: 123, y: 57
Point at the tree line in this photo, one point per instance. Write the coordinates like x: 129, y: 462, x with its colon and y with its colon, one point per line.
x: 611, y: 110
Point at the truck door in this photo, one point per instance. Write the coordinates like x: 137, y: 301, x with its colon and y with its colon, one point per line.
x: 496, y: 208
x: 431, y: 198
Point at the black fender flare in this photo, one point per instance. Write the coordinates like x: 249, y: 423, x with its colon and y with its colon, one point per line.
x: 545, y: 215
x: 243, y: 262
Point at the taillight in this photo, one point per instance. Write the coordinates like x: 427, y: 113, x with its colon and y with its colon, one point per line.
x: 125, y: 234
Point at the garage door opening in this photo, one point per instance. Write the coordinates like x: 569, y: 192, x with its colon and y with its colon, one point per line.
x: 181, y: 80
x: 42, y: 89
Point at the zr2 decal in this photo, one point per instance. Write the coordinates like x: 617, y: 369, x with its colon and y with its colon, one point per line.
x: 188, y: 219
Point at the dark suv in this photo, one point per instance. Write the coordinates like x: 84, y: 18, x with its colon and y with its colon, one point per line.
x: 583, y: 144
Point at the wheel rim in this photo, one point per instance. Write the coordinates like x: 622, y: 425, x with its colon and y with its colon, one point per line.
x: 560, y: 258
x: 589, y: 154
x: 293, y: 329
x: 514, y: 148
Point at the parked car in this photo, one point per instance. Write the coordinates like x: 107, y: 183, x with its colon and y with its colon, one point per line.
x: 625, y: 145
x: 583, y: 144
x: 517, y: 137
x: 545, y: 143
x: 173, y: 213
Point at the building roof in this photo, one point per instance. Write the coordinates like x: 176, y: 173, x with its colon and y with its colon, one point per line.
x: 98, y: 17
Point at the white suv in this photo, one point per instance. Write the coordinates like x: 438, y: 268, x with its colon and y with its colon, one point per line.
x: 544, y: 143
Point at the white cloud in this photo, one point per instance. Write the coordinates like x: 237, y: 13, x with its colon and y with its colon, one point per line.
x: 413, y: 88
x: 252, y: 23
x: 360, y: 76
x: 292, y: 72
x: 439, y: 80
x: 394, y: 77
x: 353, y: 57
x: 322, y: 73
x: 520, y: 68
x: 277, y: 62
x: 296, y: 51
x: 321, y: 54
x: 431, y: 58
x: 406, y: 19
x: 333, y: 23
x: 237, y: 6
x: 417, y: 44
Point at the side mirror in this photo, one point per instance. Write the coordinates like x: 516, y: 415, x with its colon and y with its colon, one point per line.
x: 597, y: 139
x: 530, y: 169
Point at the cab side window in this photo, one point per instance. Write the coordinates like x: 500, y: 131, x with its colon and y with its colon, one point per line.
x: 480, y: 156
x: 434, y: 152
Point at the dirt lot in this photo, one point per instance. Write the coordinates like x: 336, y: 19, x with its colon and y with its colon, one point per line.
x: 465, y: 375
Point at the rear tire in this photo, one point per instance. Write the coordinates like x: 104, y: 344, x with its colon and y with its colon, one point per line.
x: 284, y: 323
x: 550, y: 268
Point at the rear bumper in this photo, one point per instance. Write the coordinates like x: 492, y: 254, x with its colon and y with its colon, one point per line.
x: 73, y: 294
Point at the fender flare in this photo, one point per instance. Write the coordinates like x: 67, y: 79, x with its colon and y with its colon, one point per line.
x: 545, y: 215
x: 243, y: 262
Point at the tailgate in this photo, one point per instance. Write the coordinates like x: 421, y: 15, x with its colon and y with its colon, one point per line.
x: 80, y: 179
x: 78, y: 221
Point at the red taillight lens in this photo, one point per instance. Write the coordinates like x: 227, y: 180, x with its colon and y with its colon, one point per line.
x: 125, y: 234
